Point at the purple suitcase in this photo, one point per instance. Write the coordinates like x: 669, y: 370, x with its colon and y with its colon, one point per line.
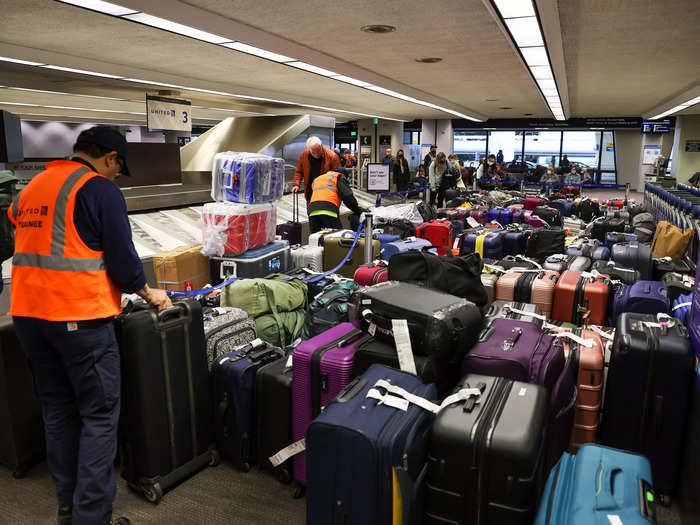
x: 291, y: 230
x: 642, y: 297
x: 321, y: 368
x: 518, y: 350
x: 481, y: 216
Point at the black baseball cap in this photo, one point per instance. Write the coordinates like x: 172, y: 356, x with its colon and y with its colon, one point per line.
x: 108, y: 138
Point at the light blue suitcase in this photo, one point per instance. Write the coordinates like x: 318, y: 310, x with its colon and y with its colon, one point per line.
x: 412, y: 243
x: 598, y: 486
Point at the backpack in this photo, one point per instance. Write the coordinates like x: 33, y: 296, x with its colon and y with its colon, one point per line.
x: 429, y: 213
x: 329, y: 308
x: 670, y: 241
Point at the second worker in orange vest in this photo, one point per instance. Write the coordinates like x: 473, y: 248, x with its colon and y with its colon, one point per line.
x: 72, y: 241
x: 327, y: 192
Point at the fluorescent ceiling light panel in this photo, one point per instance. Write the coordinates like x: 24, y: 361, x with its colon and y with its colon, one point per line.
x: 353, y: 81
x: 515, y: 8
x: 174, y: 27
x: 80, y: 71
x: 694, y: 101
x: 525, y: 31
x: 547, y: 84
x: 103, y: 7
x: 542, y: 73
x: 18, y: 61
x: 313, y: 69
x: 258, y: 52
x: 549, y: 92
x: 154, y: 83
x: 535, y: 56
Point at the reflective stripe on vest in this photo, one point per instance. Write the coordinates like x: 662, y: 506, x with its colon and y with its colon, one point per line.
x: 57, y: 261
x: 325, y: 189
x: 329, y: 185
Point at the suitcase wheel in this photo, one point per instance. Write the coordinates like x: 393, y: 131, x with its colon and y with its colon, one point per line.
x: 283, y: 475
x: 152, y: 491
x: 299, y: 492
x: 215, y: 458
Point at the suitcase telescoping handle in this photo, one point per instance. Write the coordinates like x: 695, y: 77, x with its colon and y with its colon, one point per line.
x: 179, y: 313
x: 295, y: 208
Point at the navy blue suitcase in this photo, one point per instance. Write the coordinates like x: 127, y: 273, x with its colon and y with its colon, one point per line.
x: 563, y: 206
x: 234, y: 378
x: 515, y: 243
x: 366, y: 461
x: 488, y: 244
x: 642, y: 297
x: 634, y: 255
x: 616, y: 237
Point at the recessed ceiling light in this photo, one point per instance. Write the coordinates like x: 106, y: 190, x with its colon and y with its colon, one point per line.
x: 379, y: 29
x: 515, y: 8
x: 429, y: 60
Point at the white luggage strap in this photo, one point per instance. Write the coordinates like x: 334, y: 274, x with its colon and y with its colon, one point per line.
x: 602, y: 333
x: 397, y: 397
x: 580, y: 340
x: 681, y: 305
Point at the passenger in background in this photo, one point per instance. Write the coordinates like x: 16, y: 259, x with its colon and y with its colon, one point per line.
x: 315, y: 160
x: 388, y: 158
x: 586, y: 177
x: 565, y: 164
x: 401, y: 174
x: 429, y: 158
x: 421, y: 181
x: 487, y: 169
x: 499, y: 156
x: 350, y: 160
x: 573, y: 176
x: 327, y: 192
x: 466, y: 175
x: 438, y: 169
x: 549, y: 175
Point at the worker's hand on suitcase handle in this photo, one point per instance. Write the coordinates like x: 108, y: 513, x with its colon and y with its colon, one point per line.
x: 295, y: 189
x: 154, y: 297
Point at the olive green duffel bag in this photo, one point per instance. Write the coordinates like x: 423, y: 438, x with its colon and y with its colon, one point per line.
x: 263, y: 296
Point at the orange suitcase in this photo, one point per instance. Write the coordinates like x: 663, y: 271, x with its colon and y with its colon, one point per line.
x: 589, y: 360
x: 528, y: 286
x: 580, y: 298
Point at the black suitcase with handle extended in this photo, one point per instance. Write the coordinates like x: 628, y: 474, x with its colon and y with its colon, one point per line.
x: 485, y: 458
x: 439, y: 324
x: 648, y: 391
x: 166, y: 423
x: 273, y: 390
x: 21, y: 425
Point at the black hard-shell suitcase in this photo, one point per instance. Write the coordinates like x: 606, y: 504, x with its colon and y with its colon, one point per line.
x: 439, y: 324
x: 647, y: 393
x: 666, y: 265
x: 617, y: 272
x: 634, y: 255
x: 166, y: 421
x: 274, y: 399
x: 442, y: 372
x: 484, y: 461
x: 21, y: 424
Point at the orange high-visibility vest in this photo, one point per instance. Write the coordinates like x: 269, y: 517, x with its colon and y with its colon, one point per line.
x: 325, y: 188
x: 55, y: 276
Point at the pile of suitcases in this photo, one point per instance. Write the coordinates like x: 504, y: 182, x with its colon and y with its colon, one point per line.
x: 484, y: 350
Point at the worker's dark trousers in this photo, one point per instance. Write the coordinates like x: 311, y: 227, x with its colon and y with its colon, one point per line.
x: 77, y: 379
x: 321, y: 222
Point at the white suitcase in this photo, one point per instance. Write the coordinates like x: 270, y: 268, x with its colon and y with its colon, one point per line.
x: 310, y: 257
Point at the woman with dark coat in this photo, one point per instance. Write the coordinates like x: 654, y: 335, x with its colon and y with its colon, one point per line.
x: 401, y: 174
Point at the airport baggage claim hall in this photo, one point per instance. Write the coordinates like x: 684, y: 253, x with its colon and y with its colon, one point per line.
x: 369, y: 263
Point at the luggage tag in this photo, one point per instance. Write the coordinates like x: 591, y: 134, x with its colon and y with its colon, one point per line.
x: 401, y: 398
x: 288, y: 452
x: 403, y: 345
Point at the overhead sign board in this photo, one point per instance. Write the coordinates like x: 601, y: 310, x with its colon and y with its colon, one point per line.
x: 168, y: 114
x: 377, y: 177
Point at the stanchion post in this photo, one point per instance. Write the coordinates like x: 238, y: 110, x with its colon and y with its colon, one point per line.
x: 522, y: 186
x: 627, y: 190
x: 369, y: 224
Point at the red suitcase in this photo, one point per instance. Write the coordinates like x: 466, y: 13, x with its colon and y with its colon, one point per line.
x: 532, y: 202
x: 580, y: 298
x: 367, y: 275
x: 439, y: 232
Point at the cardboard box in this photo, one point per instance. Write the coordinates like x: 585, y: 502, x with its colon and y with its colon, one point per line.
x: 181, y: 269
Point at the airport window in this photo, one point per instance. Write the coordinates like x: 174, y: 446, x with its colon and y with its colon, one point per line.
x: 470, y: 146
x: 608, y: 174
x: 509, y: 144
x: 411, y: 137
x: 542, y: 147
x: 582, y: 148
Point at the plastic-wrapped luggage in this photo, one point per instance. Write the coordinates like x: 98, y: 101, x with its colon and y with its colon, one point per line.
x: 478, y: 449
x: 226, y: 328
x: 410, y: 211
x: 579, y: 296
x: 258, y: 262
x: 387, y: 484
x: 598, y: 485
x: 249, y: 178
x: 322, y: 368
x: 646, y: 399
x: 439, y: 324
x: 234, y: 378
x: 231, y: 229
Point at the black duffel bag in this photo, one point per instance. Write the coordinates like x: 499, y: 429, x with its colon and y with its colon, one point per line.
x: 601, y: 227
x: 455, y: 275
x: 544, y: 242
x: 549, y: 215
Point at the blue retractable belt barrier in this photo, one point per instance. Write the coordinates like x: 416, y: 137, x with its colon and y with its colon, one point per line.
x: 580, y: 185
x: 194, y: 293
